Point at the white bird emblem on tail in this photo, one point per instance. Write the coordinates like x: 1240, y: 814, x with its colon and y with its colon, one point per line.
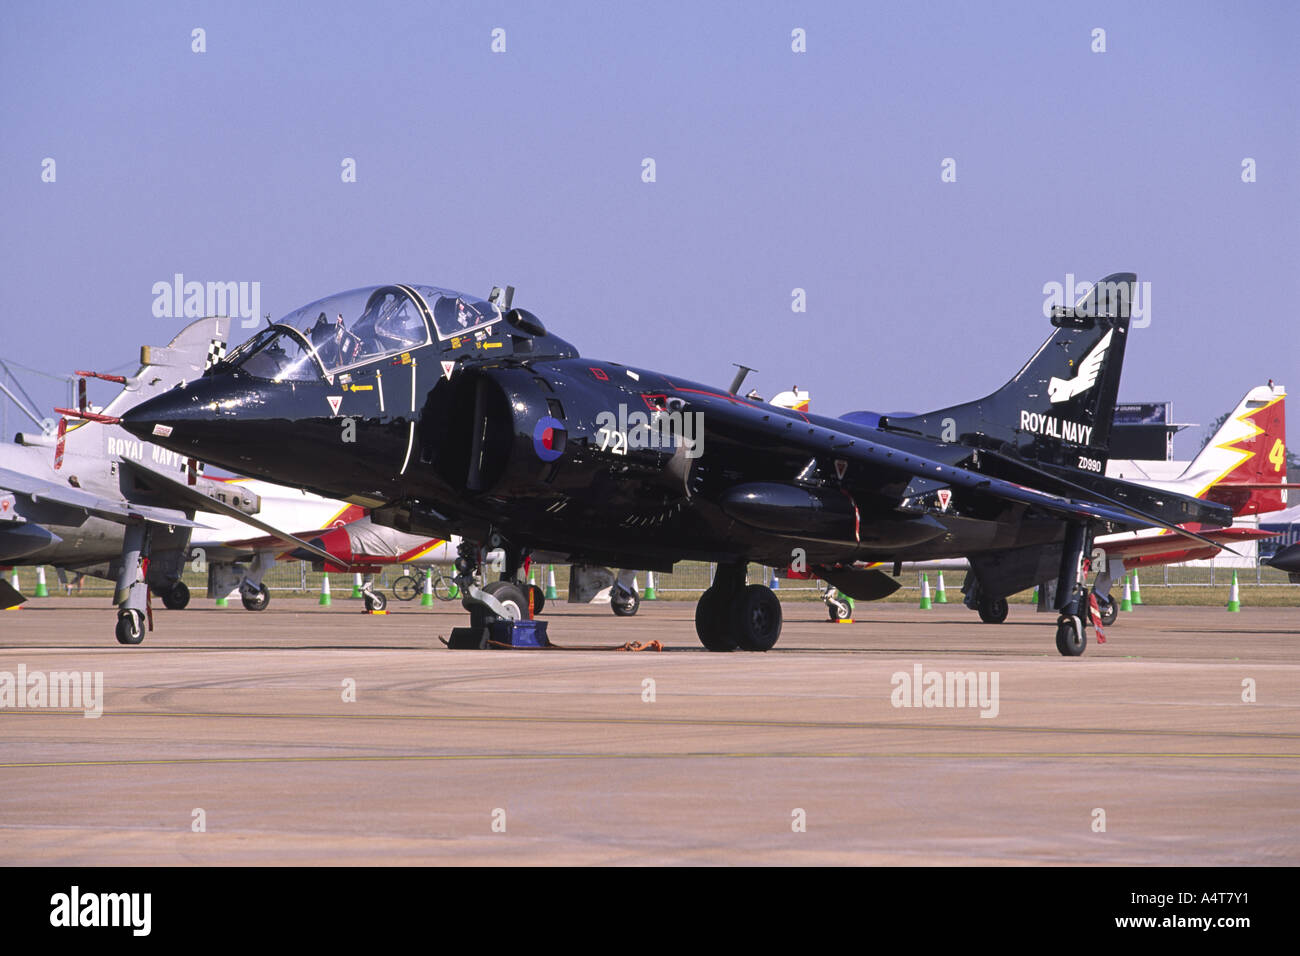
x: 1062, y: 390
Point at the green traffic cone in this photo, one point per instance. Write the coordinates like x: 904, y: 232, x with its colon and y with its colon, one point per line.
x: 1126, y: 603
x: 325, y: 590
x: 1234, y: 595
x: 1137, y: 589
x: 650, y: 594
x: 925, y: 593
x: 939, y: 596
x: 426, y: 599
x: 41, y: 589
x: 551, y: 593
x: 356, y: 587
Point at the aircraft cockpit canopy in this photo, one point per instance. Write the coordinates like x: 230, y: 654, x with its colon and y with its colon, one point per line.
x: 279, y: 354
x: 456, y: 314
x: 356, y: 328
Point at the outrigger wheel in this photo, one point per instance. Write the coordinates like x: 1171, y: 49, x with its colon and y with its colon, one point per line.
x: 1109, y: 609
x: 176, y: 597
x: 624, y: 603
x: 255, y: 600
x: 1071, y: 638
x: 993, y: 610
x: 130, y: 626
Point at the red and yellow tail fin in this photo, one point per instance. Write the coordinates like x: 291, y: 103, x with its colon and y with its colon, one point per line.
x: 1244, y: 465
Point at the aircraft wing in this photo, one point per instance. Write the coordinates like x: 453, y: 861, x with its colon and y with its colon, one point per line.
x: 1143, y: 545
x: 39, y: 489
x: 866, y: 462
x: 201, y: 502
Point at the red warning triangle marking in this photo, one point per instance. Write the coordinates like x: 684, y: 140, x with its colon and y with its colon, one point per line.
x: 841, y: 466
x: 335, y: 401
x: 945, y: 496
x: 448, y: 368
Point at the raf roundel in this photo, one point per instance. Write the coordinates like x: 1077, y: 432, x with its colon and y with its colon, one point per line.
x: 548, y: 438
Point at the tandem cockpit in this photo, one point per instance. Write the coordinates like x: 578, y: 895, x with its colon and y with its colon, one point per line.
x: 360, y: 327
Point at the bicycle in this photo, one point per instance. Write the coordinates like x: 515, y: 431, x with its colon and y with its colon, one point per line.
x: 408, y: 586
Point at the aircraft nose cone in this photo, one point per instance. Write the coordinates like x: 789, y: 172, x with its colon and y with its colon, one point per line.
x: 158, y: 419
x: 1288, y: 559
x: 206, y: 419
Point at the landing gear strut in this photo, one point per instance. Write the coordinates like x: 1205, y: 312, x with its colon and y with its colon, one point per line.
x: 733, y: 615
x: 502, y: 600
x: 132, y: 594
x: 1071, y: 594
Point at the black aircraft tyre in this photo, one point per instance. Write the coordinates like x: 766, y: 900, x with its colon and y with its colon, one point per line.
x: 1070, y: 636
x: 756, y: 618
x: 625, y: 604
x: 256, y: 600
x: 539, y: 598
x: 176, y: 597
x: 130, y: 627
x: 839, y: 610
x: 711, y: 621
x: 511, y: 596
x: 375, y: 601
x: 1109, y: 609
x: 993, y: 610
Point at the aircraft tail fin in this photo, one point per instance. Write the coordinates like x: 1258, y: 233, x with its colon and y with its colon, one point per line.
x: 1057, y: 409
x: 1245, y: 456
x: 196, y: 347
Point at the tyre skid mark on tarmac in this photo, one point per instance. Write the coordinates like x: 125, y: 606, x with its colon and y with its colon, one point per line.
x: 680, y: 722
x: 650, y: 755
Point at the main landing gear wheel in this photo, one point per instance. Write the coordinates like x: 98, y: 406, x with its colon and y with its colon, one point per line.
x: 375, y: 601
x: 756, y: 618
x: 1109, y: 609
x: 176, y: 597
x: 625, y: 603
x: 711, y: 621
x: 511, y: 596
x: 1070, y: 636
x: 256, y: 600
x: 839, y: 610
x: 130, y: 627
x: 993, y: 610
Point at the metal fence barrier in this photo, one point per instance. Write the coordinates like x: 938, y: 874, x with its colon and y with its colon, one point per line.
x: 689, y: 579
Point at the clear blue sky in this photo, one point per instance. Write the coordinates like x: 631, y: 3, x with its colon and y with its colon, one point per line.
x: 775, y: 170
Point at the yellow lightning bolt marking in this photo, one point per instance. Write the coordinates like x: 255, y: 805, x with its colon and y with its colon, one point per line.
x: 1230, y: 446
